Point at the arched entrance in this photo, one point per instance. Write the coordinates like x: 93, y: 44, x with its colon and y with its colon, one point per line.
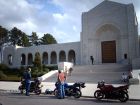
x: 108, y: 42
x: 30, y: 59
x: 108, y: 51
x: 62, y: 56
x: 10, y: 59
x: 23, y: 59
x: 53, y: 58
x: 45, y: 58
x: 71, y: 56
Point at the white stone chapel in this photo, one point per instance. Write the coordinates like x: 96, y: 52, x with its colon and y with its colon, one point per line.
x: 109, y: 34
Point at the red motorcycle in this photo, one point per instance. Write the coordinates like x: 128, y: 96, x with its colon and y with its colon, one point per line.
x: 111, y: 92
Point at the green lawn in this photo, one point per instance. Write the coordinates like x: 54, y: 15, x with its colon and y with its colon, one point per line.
x: 11, y: 78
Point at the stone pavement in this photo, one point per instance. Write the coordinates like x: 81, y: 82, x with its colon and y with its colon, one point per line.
x: 110, y: 73
x: 90, y: 74
x: 88, y: 91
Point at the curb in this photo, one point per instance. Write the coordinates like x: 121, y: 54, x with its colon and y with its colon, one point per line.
x: 134, y: 99
x: 128, y: 100
x: 16, y: 91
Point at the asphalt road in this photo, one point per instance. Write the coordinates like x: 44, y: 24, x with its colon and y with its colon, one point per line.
x: 17, y: 99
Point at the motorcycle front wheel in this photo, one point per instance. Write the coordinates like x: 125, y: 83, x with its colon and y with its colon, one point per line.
x: 123, y: 97
x: 77, y: 94
x: 56, y: 92
x: 23, y: 91
x: 38, y: 92
x: 98, y: 95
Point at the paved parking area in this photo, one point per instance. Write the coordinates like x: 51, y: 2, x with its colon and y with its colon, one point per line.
x: 12, y: 87
x: 18, y: 99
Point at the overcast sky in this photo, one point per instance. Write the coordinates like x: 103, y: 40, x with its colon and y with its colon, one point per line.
x: 61, y: 18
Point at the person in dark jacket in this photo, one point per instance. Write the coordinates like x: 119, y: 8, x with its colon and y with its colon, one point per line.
x: 92, y: 59
x: 27, y: 77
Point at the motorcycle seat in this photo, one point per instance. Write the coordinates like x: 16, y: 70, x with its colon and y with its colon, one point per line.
x: 70, y: 86
x: 120, y: 87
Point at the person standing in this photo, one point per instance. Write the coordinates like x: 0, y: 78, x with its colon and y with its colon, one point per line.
x: 61, y: 80
x: 27, y: 78
x: 124, y: 77
x: 92, y: 59
x: 70, y: 71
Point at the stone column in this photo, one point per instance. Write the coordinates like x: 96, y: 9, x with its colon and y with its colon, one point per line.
x: 66, y: 56
x: 57, y: 56
x: 49, y: 58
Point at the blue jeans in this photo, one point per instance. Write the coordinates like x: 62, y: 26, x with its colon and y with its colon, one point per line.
x: 27, y: 88
x: 61, y: 90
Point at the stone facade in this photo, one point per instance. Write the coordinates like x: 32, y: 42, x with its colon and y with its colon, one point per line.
x: 109, y: 21
x: 50, y: 54
x: 109, y: 35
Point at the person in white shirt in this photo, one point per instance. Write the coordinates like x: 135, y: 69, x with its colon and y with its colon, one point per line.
x: 124, y: 77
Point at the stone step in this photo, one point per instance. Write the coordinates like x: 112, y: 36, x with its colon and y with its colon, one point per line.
x: 91, y: 77
x: 102, y: 68
x: 109, y: 77
x: 111, y: 73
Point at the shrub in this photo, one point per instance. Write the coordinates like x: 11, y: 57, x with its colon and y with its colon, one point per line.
x: 21, y: 71
x: 52, y: 67
x: 36, y: 72
x: 45, y: 69
x: 4, y: 68
x: 2, y: 75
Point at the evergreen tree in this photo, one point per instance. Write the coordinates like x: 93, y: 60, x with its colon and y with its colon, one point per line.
x: 3, y: 35
x: 48, y: 39
x: 34, y: 38
x: 37, y: 61
x: 25, y: 41
x: 15, y: 36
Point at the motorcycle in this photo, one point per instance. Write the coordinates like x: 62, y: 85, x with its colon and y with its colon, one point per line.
x: 70, y: 90
x: 34, y: 87
x: 111, y: 92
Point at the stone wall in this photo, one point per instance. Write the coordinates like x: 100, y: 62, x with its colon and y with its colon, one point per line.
x: 109, y: 14
x: 17, y: 52
x: 136, y: 63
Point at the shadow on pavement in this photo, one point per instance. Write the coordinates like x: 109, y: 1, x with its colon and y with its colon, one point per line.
x: 93, y: 100
x: 52, y: 97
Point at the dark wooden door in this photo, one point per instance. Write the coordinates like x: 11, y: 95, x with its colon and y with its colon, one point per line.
x: 108, y: 52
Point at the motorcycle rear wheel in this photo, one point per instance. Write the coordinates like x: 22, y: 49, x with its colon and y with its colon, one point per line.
x: 56, y: 93
x: 124, y: 97
x: 77, y: 94
x: 98, y: 95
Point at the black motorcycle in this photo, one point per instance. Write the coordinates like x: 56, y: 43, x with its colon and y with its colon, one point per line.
x: 111, y: 92
x: 70, y: 90
x: 34, y: 87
